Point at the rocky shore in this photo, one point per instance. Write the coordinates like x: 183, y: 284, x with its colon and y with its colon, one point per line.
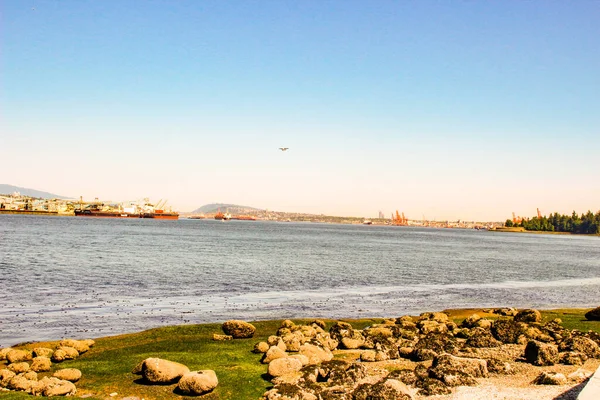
x: 407, y: 358
x: 494, y: 353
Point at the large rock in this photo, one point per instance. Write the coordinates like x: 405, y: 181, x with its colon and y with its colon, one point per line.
x: 458, y: 371
x: 19, y: 383
x: 261, y: 347
x: 198, y: 382
x: 581, y: 344
x: 42, y: 352
x: 434, y: 316
x: 432, y: 387
x: 340, y: 330
x: 156, y: 370
x: 5, y: 376
x: 284, y: 366
x: 288, y: 391
x: 273, y: 353
x: 54, y: 387
x: 572, y: 358
x: 481, y: 338
x: 388, y: 389
x: 538, y: 353
x: 315, y: 354
x: 550, y: 378
x: 593, y: 315
x: 4, y: 352
x: 15, y: 356
x: 65, y: 353
x: 238, y: 329
x: 68, y: 374
x: 528, y: 315
x: 18, y: 367
x: 41, y: 364
x: 508, y: 331
x: 79, y: 345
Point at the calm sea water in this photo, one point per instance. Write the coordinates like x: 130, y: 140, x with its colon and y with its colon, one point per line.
x: 80, y: 277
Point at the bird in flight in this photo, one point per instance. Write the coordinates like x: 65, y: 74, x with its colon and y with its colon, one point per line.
x: 283, y: 148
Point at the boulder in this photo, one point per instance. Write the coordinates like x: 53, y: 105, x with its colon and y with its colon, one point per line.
x: 528, y: 315
x: 261, y: 347
x: 18, y: 367
x: 340, y: 330
x: 430, y: 326
x: 78, y: 345
x: 302, y: 358
x: 432, y: 387
x: 31, y: 375
x: 550, y: 378
x: 42, y: 352
x: 198, y: 382
x: 498, y: 366
x: 572, y: 358
x: 238, y: 329
x: 284, y: 366
x: 440, y: 343
x: 15, y: 356
x: 481, y: 338
x: 315, y: 354
x: 388, y: 389
x: 41, y: 364
x: 68, y: 374
x: 434, y: 316
x: 19, y: 383
x: 593, y: 315
x: 508, y: 331
x: 470, y: 321
x: 5, y: 376
x: 581, y: 344
x: 458, y: 371
x: 156, y: 370
x: 65, y: 353
x: 288, y: 391
x: 54, y: 387
x: 538, y: 353
x: 272, y: 354
x: 293, y: 341
x: 4, y: 352
x: 221, y: 338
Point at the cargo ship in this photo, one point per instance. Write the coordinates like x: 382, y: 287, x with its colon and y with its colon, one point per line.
x: 223, y: 217
x: 122, y: 210
x: 90, y: 212
x: 244, y: 218
x: 160, y: 214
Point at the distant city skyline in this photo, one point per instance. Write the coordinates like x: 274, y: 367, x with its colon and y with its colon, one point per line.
x: 442, y: 110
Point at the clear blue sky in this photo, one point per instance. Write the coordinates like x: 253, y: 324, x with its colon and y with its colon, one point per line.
x: 443, y: 109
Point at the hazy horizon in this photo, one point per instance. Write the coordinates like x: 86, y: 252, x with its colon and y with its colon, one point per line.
x: 442, y: 110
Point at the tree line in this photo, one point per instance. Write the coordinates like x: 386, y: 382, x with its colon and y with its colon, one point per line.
x: 586, y: 223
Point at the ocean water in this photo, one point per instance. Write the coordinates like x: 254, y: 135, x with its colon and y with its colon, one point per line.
x: 84, y: 278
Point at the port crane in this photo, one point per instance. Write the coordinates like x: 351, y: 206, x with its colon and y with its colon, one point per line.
x: 399, y: 219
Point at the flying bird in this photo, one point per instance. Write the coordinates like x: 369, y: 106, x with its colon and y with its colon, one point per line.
x: 283, y: 148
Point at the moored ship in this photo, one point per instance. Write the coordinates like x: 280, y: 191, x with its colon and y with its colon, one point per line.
x: 223, y: 217
x: 121, y: 210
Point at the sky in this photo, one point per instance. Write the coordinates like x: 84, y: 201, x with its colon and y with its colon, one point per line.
x: 440, y: 109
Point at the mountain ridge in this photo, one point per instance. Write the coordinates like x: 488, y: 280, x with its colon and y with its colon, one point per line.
x: 9, y: 189
x: 214, y: 207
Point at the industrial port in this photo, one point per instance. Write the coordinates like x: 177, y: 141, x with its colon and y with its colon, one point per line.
x: 16, y: 203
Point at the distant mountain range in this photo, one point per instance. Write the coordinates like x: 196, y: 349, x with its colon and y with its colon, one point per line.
x: 232, y: 208
x: 10, y: 189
